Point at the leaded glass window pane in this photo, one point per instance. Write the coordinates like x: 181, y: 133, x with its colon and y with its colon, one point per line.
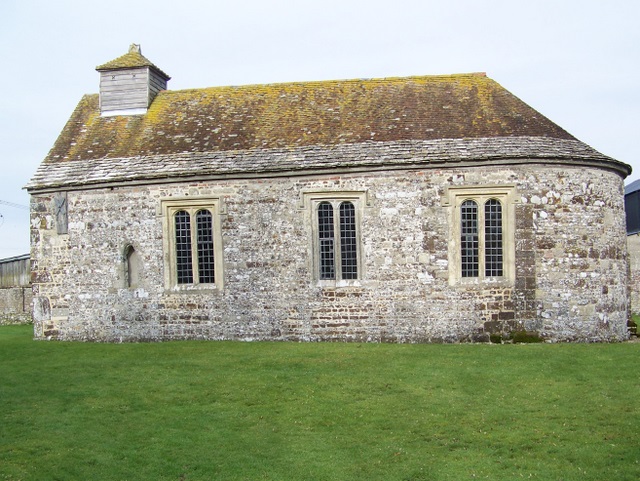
x: 493, y: 256
x: 326, y: 241
x: 348, y: 241
x: 469, y: 238
x: 204, y: 225
x: 184, y: 269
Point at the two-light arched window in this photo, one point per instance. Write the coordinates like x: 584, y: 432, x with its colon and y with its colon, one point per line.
x: 337, y: 241
x: 194, y: 257
x: 482, y: 246
x: 193, y: 243
x: 481, y: 239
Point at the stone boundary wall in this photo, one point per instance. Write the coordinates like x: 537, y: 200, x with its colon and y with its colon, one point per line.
x: 15, y: 305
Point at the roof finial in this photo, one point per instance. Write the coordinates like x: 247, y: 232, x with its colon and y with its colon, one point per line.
x: 135, y: 48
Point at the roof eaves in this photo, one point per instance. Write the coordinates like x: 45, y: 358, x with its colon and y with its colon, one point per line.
x: 361, y: 157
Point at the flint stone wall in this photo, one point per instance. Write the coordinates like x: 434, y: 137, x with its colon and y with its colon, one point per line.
x: 570, y: 262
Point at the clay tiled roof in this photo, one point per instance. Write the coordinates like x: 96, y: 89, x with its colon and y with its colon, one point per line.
x: 298, y: 114
x: 311, y: 126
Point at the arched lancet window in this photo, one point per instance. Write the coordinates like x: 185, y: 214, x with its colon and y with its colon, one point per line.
x: 184, y: 266
x: 493, y: 255
x: 469, y: 248
x: 204, y: 223
x: 326, y: 241
x: 348, y: 247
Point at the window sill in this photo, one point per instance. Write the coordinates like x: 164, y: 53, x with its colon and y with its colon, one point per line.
x: 337, y: 284
x: 486, y: 282
x: 193, y: 289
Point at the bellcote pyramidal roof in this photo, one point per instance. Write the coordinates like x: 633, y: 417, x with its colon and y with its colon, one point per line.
x: 132, y: 59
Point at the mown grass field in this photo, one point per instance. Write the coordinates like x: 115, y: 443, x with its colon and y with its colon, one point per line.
x: 287, y: 411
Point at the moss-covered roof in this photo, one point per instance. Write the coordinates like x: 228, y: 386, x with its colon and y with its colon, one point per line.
x: 304, y: 114
x: 132, y: 59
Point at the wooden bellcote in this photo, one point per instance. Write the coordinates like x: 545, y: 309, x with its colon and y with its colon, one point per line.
x: 129, y: 84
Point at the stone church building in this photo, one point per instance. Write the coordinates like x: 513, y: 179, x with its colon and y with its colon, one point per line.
x: 418, y: 209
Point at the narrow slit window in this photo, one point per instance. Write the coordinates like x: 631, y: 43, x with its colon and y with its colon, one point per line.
x: 184, y: 267
x: 204, y: 223
x: 469, y: 239
x: 493, y: 238
x: 128, y: 252
x: 348, y: 246
x: 131, y: 267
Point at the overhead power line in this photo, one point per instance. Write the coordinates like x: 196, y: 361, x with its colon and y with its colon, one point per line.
x: 12, y: 204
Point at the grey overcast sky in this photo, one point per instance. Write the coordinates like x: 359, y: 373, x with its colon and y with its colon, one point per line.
x: 575, y: 61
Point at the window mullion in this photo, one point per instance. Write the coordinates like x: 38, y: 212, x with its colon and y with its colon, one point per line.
x: 481, y: 239
x: 337, y: 258
x: 194, y: 246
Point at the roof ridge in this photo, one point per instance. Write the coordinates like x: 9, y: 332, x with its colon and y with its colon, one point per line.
x: 381, y: 80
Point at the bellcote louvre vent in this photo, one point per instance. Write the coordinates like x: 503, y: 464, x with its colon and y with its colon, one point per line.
x: 129, y: 84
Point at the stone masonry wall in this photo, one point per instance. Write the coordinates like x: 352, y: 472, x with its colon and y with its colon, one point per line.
x: 570, y: 262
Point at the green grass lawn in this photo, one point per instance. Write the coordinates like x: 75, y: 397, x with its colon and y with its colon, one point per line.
x: 287, y: 411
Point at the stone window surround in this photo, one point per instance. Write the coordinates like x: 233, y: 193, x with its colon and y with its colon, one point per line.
x: 309, y: 201
x: 452, y: 199
x: 168, y: 207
